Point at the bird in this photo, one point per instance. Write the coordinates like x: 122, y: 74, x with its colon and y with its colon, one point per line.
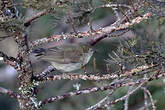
x: 66, y: 57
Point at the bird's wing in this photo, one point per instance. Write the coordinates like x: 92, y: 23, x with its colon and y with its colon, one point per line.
x: 63, y: 54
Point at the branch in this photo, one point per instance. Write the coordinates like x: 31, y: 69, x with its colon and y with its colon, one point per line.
x: 73, y: 76
x: 146, y: 104
x: 27, y: 99
x: 8, y: 92
x: 28, y: 22
x: 102, y: 32
x: 43, y: 74
x: 118, y: 84
x: 127, y: 99
x: 6, y: 57
x: 140, y: 84
x: 150, y: 96
x: 77, y: 76
x: 144, y: 108
x: 127, y: 95
x: 9, y: 60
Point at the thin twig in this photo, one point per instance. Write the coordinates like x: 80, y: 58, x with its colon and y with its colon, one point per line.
x: 44, y: 73
x: 118, y: 84
x: 146, y: 105
x: 152, y: 101
x: 87, y: 91
x: 71, y: 22
x: 144, y: 108
x: 145, y: 96
x: 6, y: 57
x: 124, y: 97
x: 8, y: 92
x: 127, y: 99
x: 98, y: 104
x: 9, y: 60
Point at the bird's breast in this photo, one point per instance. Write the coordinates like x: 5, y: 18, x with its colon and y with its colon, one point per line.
x: 67, y: 67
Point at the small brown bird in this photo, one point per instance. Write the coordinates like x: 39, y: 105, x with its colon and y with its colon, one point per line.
x: 67, y: 57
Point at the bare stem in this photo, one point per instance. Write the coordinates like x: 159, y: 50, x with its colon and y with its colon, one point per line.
x: 8, y: 92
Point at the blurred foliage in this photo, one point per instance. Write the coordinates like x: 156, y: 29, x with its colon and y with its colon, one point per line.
x: 149, y: 36
x: 6, y: 103
x: 39, y: 4
x: 9, y: 15
x: 10, y: 25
